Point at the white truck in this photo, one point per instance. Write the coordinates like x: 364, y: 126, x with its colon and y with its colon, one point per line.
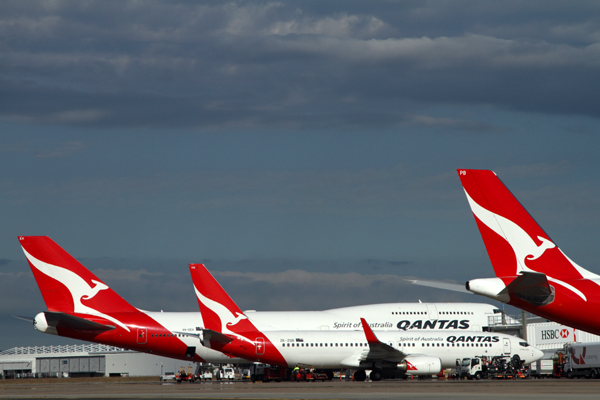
x: 471, y: 368
x: 225, y: 373
x: 499, y: 367
x: 582, y: 359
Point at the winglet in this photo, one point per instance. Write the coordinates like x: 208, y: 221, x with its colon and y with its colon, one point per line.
x: 377, y: 349
x: 371, y: 338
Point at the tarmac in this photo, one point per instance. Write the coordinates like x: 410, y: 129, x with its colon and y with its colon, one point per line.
x: 390, y: 389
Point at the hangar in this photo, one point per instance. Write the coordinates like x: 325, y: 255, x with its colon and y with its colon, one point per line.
x: 86, y: 359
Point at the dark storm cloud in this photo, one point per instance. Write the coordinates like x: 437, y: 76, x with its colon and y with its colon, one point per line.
x: 294, y: 64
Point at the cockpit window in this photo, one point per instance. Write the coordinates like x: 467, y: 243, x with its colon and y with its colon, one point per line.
x: 497, y: 311
x: 524, y: 344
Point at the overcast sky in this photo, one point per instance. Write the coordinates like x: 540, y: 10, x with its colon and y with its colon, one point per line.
x: 305, y: 151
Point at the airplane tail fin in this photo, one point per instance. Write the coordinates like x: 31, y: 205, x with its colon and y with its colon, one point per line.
x: 66, y: 285
x: 226, y: 324
x: 513, y: 239
x: 219, y: 311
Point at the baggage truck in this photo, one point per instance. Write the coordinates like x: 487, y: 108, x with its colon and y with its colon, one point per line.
x: 543, y: 368
x: 582, y: 359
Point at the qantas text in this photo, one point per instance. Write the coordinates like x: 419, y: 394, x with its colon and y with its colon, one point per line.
x: 434, y: 324
x: 474, y: 339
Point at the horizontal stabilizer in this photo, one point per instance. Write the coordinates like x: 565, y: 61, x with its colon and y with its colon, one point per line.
x: 213, y: 336
x: 532, y: 287
x: 455, y: 287
x: 62, y: 320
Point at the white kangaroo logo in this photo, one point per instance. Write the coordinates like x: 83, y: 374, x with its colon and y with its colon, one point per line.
x: 228, y: 318
x: 76, y: 285
x: 522, y: 244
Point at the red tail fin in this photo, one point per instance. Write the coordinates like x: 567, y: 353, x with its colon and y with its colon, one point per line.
x: 219, y: 311
x: 222, y: 315
x: 514, y: 241
x: 66, y: 285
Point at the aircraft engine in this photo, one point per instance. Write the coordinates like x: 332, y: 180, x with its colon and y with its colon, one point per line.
x: 421, y: 365
x: 40, y: 323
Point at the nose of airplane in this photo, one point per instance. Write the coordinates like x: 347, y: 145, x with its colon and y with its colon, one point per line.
x: 537, y: 355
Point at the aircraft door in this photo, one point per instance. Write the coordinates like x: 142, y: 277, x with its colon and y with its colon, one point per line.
x: 260, y: 346
x: 506, y: 346
x: 432, y: 311
x: 142, y: 335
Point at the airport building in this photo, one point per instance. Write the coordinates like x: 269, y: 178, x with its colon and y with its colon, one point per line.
x: 541, y: 333
x: 85, y: 360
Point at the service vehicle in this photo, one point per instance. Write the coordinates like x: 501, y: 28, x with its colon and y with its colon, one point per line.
x: 184, y: 376
x: 307, y: 374
x: 225, y: 373
x: 543, y: 368
x: 582, y: 359
x: 167, y: 376
x: 499, y: 367
x: 245, y: 374
x: 472, y: 368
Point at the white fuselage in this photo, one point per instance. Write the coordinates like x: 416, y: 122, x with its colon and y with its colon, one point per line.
x: 397, y: 318
x: 347, y: 349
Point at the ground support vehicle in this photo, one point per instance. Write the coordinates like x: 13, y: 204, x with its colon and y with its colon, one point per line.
x: 307, y: 374
x: 168, y: 377
x: 582, y: 359
x: 266, y: 373
x: 495, y: 367
x: 245, y: 376
x: 225, y: 373
x: 184, y: 376
x: 542, y: 369
x: 559, y: 366
x: 507, y: 368
x: 472, y: 368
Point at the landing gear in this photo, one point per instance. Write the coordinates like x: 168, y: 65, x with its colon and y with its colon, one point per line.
x: 376, y: 375
x: 360, y: 375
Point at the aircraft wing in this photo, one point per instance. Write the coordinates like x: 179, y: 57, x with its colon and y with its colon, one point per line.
x: 62, y: 320
x: 379, y: 350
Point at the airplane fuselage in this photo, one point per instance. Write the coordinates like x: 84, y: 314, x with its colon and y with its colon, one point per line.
x: 177, y: 334
x: 349, y: 349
